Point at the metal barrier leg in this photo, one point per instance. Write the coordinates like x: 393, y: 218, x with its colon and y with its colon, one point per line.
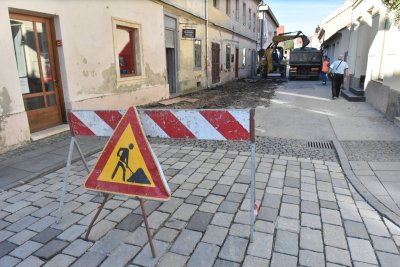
x: 65, y: 181
x: 95, y: 216
x: 252, y: 185
x: 149, y: 237
x: 82, y: 156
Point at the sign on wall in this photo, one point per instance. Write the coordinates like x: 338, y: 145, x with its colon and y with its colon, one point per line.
x: 188, y: 33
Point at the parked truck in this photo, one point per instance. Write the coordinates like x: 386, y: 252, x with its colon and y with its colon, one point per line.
x: 305, y: 63
x: 271, y: 59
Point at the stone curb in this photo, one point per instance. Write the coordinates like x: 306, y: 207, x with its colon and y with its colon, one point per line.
x: 382, y: 209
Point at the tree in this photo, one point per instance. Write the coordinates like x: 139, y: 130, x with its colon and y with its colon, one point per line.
x: 289, y: 45
x: 394, y: 5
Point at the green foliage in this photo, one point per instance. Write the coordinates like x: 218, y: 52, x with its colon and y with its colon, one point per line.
x: 394, y: 5
x: 288, y: 45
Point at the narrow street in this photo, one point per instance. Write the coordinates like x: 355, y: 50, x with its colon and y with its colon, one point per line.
x: 326, y: 205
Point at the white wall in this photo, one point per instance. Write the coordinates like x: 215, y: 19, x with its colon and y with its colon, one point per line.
x: 87, y: 58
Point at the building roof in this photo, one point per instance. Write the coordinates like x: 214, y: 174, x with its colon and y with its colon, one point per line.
x: 337, y: 20
x: 267, y: 9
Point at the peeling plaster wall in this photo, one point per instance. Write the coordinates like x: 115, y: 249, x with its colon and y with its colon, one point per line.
x: 14, y: 126
x: 87, y: 58
x: 86, y: 29
x: 124, y: 100
x: 14, y: 131
x: 93, y: 74
x: 189, y: 75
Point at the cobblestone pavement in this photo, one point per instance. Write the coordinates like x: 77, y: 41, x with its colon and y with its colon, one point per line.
x: 372, y: 150
x: 264, y: 145
x: 309, y: 216
x: 377, y: 166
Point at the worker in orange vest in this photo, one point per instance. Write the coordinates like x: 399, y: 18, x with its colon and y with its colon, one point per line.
x: 325, y: 70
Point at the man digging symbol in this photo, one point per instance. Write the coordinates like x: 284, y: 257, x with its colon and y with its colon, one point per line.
x: 138, y: 177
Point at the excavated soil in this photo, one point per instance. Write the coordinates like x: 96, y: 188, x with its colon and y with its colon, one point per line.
x: 245, y: 93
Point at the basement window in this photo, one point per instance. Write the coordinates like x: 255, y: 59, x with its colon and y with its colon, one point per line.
x: 127, y: 49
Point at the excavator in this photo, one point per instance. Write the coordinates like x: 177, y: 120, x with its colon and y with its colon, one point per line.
x: 270, y: 59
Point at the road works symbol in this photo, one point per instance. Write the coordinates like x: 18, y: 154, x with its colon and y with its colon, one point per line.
x: 127, y: 164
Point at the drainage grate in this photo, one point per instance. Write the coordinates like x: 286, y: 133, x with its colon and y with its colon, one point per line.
x: 319, y: 144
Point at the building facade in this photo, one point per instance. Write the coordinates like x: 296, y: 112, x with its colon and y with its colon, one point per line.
x: 365, y: 33
x: 268, y: 26
x: 112, y: 54
x: 333, y: 32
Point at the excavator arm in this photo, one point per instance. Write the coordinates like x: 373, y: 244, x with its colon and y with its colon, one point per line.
x: 267, y: 62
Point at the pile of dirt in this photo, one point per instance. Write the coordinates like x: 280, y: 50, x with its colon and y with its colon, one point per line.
x: 245, y: 93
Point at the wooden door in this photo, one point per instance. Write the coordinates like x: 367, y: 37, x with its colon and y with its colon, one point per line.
x: 237, y: 63
x: 215, y: 62
x: 33, y: 47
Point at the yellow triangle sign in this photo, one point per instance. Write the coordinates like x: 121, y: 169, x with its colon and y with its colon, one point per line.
x: 127, y: 164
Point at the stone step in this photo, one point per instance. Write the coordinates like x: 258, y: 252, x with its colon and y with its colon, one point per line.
x: 397, y: 121
x: 352, y: 97
x: 357, y: 91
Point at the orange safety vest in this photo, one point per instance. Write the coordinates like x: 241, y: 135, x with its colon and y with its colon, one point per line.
x: 325, y: 67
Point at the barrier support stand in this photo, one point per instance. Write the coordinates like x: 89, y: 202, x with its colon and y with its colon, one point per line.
x: 66, y: 173
x: 95, y: 216
x: 252, y: 181
x: 149, y: 237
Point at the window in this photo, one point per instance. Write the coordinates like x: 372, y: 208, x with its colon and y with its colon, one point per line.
x: 249, y: 18
x: 197, y: 53
x: 127, y: 49
x: 237, y: 10
x: 228, y: 7
x: 244, y: 57
x: 244, y: 13
x: 216, y: 3
x: 228, y: 56
x: 254, y: 22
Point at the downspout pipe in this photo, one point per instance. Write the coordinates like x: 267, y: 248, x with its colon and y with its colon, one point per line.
x: 206, y: 65
x: 262, y: 28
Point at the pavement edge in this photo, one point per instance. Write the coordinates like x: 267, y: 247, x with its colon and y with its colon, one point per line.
x: 361, y: 189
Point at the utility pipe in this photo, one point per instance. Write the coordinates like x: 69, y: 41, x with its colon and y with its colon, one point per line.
x: 206, y: 16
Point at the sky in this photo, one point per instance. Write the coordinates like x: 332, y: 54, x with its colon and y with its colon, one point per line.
x: 302, y: 15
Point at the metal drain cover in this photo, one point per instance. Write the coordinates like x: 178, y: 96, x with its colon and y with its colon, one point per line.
x: 320, y: 144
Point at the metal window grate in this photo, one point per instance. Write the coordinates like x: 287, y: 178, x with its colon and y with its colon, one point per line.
x: 320, y: 145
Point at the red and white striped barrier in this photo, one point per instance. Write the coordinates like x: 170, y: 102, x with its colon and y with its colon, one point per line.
x: 203, y: 124
x: 193, y: 124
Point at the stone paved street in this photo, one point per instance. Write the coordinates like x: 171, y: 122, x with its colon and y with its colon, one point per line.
x: 309, y: 216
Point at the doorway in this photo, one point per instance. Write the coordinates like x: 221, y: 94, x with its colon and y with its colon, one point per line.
x: 37, y: 71
x: 253, y: 63
x: 215, y: 51
x: 170, y: 53
x: 236, y: 63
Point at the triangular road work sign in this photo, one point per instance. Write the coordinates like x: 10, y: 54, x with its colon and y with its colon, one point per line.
x: 128, y: 165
